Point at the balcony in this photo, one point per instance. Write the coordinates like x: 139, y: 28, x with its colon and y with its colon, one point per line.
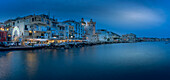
x: 39, y: 23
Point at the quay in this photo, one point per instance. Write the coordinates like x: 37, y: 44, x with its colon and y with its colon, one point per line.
x: 62, y: 45
x: 55, y: 46
x: 19, y: 48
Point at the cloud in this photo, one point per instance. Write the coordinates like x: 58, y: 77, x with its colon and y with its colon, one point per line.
x: 132, y: 15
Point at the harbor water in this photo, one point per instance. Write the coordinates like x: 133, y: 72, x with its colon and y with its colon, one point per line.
x: 123, y: 61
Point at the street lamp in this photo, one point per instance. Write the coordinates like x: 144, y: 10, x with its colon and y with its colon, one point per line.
x: 71, y: 37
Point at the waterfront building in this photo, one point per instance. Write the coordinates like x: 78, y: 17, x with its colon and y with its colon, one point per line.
x: 146, y: 39
x: 165, y: 39
x: 63, y: 31
x: 29, y: 27
x: 43, y: 28
x: 102, y: 35
x: 3, y: 33
x: 129, y: 38
x: 82, y: 29
x: 76, y: 29
x: 70, y: 31
x: 107, y: 36
x: 2, y: 27
x: 113, y: 37
x: 55, y: 29
x: 90, y: 30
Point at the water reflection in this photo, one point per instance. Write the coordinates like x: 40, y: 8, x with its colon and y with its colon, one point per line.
x: 5, y: 64
x: 31, y: 63
x: 100, y: 62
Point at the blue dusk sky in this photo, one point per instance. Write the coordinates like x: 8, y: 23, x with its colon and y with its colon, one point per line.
x: 150, y: 18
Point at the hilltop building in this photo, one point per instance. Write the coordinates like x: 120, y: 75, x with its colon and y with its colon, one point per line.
x: 107, y: 36
x: 129, y: 38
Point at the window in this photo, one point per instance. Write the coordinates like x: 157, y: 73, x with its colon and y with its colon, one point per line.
x: 66, y: 28
x: 26, y: 27
x: 48, y: 22
x: 14, y: 23
x: 48, y: 28
x: 30, y: 34
x: 54, y: 24
x: 42, y: 20
x: 42, y: 34
x: 32, y: 19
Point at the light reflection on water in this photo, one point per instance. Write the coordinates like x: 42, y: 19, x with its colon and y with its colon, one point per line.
x: 134, y: 61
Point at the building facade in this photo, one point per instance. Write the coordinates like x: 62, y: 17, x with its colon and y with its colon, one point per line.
x: 129, y: 38
x: 3, y: 33
x: 36, y: 27
x: 28, y: 27
x: 76, y: 29
x: 90, y: 31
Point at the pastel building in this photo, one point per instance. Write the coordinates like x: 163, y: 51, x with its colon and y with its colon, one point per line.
x: 38, y: 27
x: 129, y: 37
x: 90, y: 31
x: 113, y: 37
x: 107, y: 36
x: 3, y: 33
x: 76, y: 29
x: 102, y: 35
x: 29, y: 27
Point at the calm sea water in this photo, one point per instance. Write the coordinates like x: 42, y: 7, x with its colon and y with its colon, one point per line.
x: 128, y: 61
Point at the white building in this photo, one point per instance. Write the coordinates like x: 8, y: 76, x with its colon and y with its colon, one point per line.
x: 107, y: 36
x: 102, y: 35
x: 76, y: 29
x: 129, y: 38
x: 113, y: 37
x: 90, y: 31
x: 32, y: 26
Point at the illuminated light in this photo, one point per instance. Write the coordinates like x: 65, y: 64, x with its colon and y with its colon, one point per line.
x: 7, y: 29
x: 30, y: 31
x: 71, y: 36
x: 63, y: 40
x: 2, y: 29
x: 13, y: 32
x: 52, y: 41
x: 83, y: 24
x: 9, y: 35
x: 34, y: 31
